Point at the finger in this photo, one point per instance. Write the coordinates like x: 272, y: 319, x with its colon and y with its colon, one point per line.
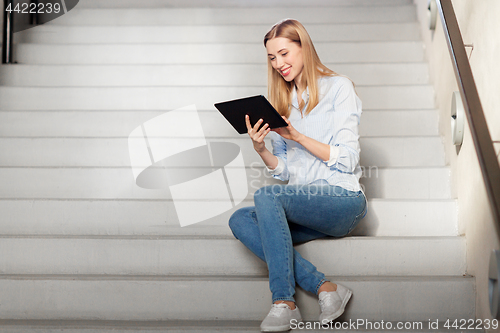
x: 247, y: 122
x: 255, y: 135
x: 263, y: 131
x: 266, y: 125
x: 266, y: 132
x: 286, y: 120
x: 257, y: 125
x: 263, y: 135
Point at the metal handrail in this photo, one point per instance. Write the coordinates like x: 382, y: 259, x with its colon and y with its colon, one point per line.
x: 474, y: 111
x: 8, y: 33
x: 488, y: 161
x: 15, y: 20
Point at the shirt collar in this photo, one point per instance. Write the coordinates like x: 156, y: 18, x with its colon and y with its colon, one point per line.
x: 305, y: 97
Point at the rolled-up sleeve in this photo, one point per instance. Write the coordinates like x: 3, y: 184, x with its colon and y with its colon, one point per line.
x: 279, y: 150
x: 344, y: 143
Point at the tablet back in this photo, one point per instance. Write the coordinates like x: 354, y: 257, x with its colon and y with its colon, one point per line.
x: 256, y: 107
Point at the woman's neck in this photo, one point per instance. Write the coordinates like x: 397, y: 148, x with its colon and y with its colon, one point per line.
x: 301, y: 86
x: 300, y: 91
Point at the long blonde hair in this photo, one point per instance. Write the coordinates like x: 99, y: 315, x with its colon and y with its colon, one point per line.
x: 279, y: 90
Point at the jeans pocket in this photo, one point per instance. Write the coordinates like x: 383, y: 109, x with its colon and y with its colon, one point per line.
x: 358, y: 217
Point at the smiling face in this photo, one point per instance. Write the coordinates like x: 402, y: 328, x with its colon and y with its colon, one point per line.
x: 286, y: 57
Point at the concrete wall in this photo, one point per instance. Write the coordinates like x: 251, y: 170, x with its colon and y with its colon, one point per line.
x: 479, y: 24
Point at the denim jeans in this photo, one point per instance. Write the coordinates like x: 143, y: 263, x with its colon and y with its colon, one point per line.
x: 284, y: 215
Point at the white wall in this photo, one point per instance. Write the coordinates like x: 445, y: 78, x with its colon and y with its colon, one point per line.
x: 479, y: 24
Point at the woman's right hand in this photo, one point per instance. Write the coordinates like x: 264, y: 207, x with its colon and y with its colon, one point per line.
x: 257, y: 135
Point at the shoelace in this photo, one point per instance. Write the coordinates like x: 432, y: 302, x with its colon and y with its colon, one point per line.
x: 326, y: 302
x: 277, y: 309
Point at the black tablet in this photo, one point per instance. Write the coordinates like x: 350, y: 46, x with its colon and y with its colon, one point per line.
x: 256, y: 107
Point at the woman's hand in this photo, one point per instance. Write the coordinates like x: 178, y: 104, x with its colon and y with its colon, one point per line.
x: 288, y: 132
x: 257, y: 135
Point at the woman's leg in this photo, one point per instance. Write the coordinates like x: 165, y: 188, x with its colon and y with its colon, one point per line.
x: 244, y: 225
x: 326, y: 209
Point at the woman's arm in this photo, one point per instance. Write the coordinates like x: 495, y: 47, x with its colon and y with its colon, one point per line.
x: 318, y: 149
x: 344, y: 143
x: 269, y: 159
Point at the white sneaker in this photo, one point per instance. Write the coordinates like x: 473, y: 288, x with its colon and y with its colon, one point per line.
x: 333, y: 303
x: 280, y: 318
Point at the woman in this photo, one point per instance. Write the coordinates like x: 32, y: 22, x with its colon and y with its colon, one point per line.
x: 318, y: 153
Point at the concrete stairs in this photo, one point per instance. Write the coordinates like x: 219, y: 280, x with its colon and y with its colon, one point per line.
x: 83, y: 248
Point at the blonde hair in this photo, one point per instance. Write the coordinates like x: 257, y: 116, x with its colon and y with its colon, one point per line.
x: 279, y: 90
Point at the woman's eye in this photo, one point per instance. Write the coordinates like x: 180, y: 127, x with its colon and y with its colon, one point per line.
x: 272, y: 59
x: 284, y: 54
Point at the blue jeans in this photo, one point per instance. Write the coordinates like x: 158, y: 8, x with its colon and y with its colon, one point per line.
x: 284, y: 215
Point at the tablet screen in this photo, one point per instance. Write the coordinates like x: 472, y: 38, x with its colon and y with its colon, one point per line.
x: 256, y: 107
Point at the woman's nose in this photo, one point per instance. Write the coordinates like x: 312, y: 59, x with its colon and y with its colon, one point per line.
x: 279, y: 63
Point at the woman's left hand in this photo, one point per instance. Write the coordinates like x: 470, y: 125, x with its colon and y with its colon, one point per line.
x: 289, y: 132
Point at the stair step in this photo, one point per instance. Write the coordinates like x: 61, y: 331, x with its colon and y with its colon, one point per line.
x: 53, y: 34
x: 225, y: 255
x: 196, y: 75
x: 212, y: 326
x: 414, y: 97
x: 119, y: 183
x: 88, y: 124
x: 165, y: 298
x: 228, y: 16
x: 114, y: 152
x: 408, y: 183
x: 230, y: 3
x: 158, y: 218
x: 234, y: 53
x: 398, y: 123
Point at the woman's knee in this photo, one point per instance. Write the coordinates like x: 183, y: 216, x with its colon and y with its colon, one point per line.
x: 239, y: 219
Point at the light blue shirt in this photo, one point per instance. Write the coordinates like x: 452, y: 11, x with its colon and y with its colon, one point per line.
x: 333, y: 121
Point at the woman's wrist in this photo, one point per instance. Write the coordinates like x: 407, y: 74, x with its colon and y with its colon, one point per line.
x: 260, y: 150
x: 268, y: 158
x: 300, y: 138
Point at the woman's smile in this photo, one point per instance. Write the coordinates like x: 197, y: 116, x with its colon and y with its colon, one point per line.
x: 286, y: 71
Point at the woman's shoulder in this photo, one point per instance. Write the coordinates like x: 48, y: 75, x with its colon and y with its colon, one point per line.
x: 331, y: 85
x: 335, y: 80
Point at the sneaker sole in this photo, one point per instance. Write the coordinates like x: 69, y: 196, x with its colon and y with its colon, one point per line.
x: 283, y: 328
x: 337, y: 314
